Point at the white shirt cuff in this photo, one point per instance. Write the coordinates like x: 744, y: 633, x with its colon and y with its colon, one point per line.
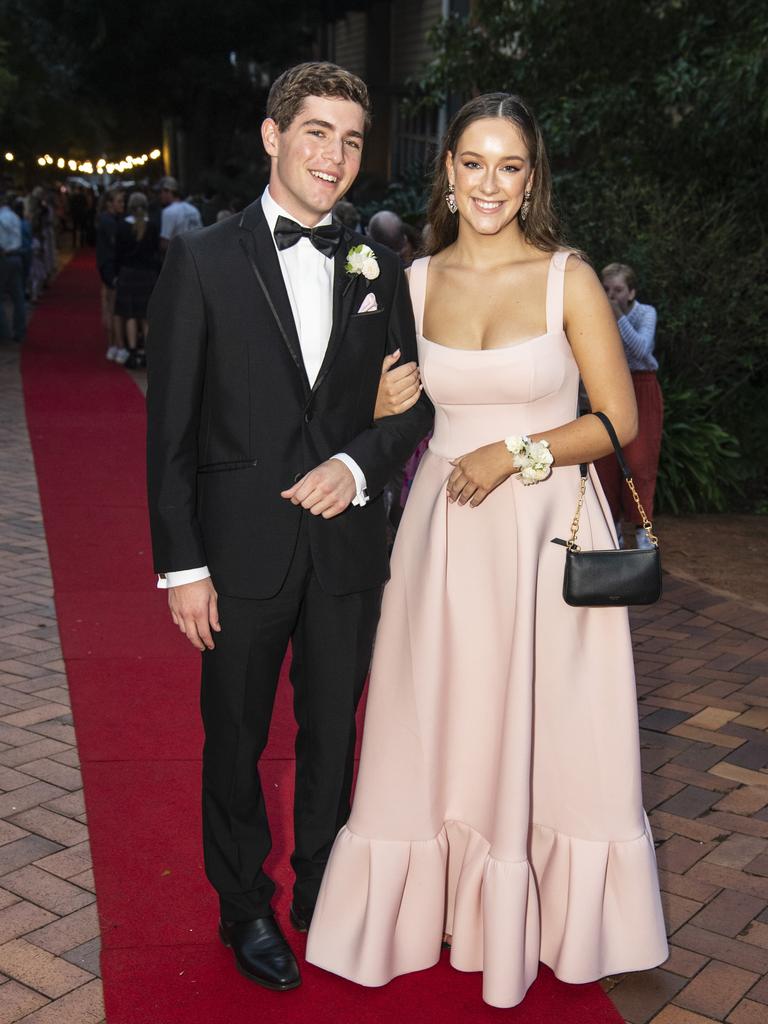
x: 178, y: 579
x: 361, y: 498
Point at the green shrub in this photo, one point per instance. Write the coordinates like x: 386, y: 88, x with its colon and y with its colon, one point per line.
x: 699, y: 469
x: 711, y: 294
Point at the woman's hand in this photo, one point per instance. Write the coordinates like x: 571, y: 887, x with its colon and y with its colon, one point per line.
x: 480, y: 472
x: 399, y: 389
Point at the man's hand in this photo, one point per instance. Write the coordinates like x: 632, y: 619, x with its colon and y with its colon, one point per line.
x: 399, y: 389
x: 325, y: 491
x: 194, y: 610
x: 480, y: 472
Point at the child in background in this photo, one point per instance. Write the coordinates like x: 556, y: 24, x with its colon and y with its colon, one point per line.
x: 637, y: 325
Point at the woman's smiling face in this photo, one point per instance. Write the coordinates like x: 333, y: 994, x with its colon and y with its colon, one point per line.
x: 490, y: 171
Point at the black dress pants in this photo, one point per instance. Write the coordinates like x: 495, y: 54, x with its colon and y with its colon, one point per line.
x: 332, y: 638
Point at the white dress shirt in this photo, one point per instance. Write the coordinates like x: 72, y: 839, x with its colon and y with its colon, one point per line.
x: 308, y: 277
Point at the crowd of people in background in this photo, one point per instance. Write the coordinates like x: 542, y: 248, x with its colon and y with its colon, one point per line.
x: 130, y: 225
x: 133, y: 229
x: 28, y: 228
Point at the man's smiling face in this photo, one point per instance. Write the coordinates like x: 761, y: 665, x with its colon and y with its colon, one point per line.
x: 316, y: 158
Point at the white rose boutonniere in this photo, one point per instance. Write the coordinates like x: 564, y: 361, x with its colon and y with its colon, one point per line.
x: 361, y: 259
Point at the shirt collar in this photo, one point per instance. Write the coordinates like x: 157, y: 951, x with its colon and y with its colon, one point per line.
x: 273, y: 210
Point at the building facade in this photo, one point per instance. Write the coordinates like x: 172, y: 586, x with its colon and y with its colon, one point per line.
x: 386, y: 42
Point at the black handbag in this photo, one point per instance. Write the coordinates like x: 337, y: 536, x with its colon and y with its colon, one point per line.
x: 615, y: 576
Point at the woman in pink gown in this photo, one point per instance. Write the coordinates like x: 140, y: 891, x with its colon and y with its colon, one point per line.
x: 498, y: 802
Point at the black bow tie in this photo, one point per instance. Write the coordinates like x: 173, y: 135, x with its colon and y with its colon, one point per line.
x: 326, y: 239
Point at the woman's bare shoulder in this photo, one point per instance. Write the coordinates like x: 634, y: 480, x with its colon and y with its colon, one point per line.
x: 581, y: 278
x: 583, y: 295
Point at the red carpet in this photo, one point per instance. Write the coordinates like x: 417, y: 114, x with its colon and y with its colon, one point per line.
x: 133, y: 682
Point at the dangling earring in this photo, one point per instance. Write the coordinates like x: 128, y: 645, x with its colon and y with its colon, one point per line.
x: 450, y: 199
x: 526, y: 204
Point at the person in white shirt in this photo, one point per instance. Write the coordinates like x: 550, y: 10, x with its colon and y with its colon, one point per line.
x: 178, y: 215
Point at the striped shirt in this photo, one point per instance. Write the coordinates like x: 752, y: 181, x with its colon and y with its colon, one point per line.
x: 638, y: 332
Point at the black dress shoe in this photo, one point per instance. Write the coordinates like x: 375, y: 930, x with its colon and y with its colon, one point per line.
x: 301, y: 919
x: 261, y: 952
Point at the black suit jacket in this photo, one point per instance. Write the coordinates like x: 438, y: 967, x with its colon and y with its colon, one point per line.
x: 232, y: 420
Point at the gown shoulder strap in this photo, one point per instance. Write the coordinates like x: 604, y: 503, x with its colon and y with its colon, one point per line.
x: 555, y: 290
x: 417, y: 279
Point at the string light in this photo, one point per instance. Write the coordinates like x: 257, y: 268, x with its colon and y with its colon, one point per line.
x: 100, y: 166
x: 9, y: 156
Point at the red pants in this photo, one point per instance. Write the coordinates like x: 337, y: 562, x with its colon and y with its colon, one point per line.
x: 642, y: 454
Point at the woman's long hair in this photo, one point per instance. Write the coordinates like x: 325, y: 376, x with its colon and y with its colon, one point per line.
x: 541, y: 227
x: 137, y: 208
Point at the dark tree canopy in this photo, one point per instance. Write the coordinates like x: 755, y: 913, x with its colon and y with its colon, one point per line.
x: 93, y: 75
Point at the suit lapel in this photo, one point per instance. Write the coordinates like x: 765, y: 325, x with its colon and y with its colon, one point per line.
x: 345, y: 291
x: 259, y: 249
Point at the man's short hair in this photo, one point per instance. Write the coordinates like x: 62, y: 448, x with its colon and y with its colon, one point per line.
x: 621, y: 270
x: 316, y: 78
x: 171, y: 184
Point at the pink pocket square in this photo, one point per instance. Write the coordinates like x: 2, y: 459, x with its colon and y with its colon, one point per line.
x: 369, y: 304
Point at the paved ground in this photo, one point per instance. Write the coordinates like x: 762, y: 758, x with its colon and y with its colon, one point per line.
x: 49, y: 945
x: 702, y: 665
x: 720, y: 551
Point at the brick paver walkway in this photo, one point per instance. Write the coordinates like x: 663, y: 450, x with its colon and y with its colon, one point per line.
x: 702, y: 666
x: 49, y: 932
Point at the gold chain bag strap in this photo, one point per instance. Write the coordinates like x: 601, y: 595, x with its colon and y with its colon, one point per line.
x: 615, y: 576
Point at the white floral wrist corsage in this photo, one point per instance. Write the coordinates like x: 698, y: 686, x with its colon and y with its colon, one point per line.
x: 532, y: 458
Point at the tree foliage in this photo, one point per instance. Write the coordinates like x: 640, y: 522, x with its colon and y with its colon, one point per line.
x: 7, y: 79
x: 655, y: 117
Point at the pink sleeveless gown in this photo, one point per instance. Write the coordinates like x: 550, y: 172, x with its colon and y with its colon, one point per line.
x: 498, y: 797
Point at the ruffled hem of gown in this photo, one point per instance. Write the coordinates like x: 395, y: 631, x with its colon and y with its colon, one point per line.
x: 585, y: 908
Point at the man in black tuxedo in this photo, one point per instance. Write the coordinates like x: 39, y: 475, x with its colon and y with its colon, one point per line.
x: 266, y: 470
